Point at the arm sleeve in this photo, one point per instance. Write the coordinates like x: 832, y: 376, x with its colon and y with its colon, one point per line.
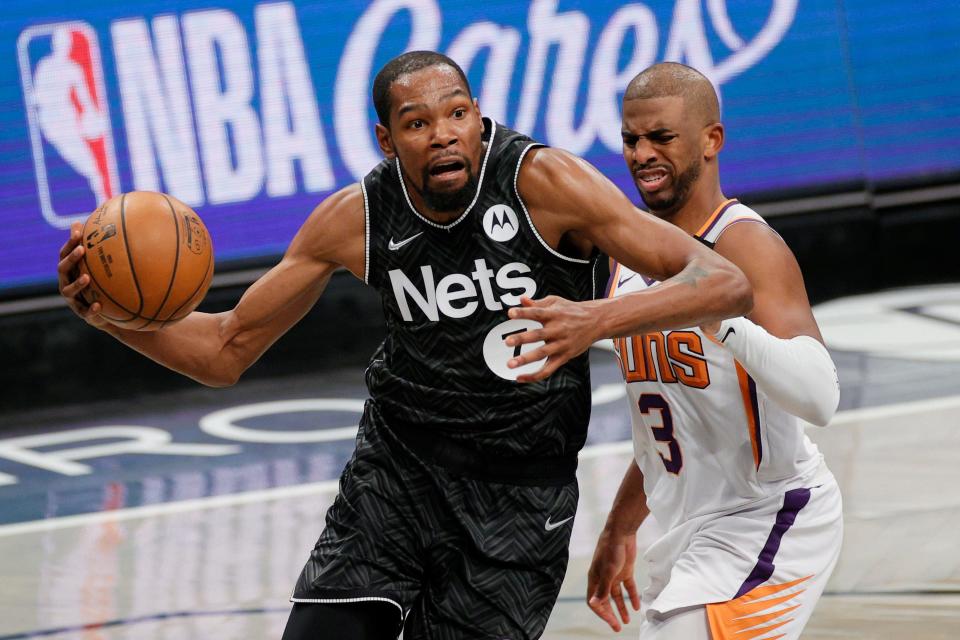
x: 798, y: 373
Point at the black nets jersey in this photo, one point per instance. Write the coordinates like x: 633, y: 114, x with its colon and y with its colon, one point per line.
x: 446, y: 289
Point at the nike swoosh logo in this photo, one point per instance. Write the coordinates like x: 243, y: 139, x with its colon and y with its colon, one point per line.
x: 627, y: 279
x: 393, y: 246
x: 550, y: 526
x: 727, y: 334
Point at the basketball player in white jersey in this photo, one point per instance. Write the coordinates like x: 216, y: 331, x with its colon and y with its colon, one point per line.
x: 751, y: 513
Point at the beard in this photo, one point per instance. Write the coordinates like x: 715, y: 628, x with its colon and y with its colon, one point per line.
x: 681, y: 191
x: 447, y: 201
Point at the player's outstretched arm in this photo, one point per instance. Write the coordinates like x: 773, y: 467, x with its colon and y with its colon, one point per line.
x: 611, y: 570
x: 573, y: 202
x: 215, y: 349
x: 779, y: 343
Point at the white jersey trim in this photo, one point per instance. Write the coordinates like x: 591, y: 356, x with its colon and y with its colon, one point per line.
x: 523, y: 205
x: 346, y: 601
x: 366, y: 231
x: 476, y: 196
x: 734, y: 213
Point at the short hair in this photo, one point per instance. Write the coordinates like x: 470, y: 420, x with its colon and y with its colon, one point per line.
x: 675, y: 79
x: 402, y: 65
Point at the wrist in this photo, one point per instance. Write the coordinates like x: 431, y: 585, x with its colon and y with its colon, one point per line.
x: 599, y: 328
x: 626, y: 527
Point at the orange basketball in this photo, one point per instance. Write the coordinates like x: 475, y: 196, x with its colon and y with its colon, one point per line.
x: 149, y: 257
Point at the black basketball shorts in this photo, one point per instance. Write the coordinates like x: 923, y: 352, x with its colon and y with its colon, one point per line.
x: 459, y: 558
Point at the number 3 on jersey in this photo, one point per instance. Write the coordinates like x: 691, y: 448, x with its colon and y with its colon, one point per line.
x: 664, y: 433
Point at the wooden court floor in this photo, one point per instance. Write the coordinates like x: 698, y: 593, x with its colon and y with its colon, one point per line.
x: 201, y: 532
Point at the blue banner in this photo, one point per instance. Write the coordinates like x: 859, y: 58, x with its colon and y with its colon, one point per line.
x: 253, y: 112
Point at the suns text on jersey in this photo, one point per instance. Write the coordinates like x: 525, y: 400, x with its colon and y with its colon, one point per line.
x: 675, y: 356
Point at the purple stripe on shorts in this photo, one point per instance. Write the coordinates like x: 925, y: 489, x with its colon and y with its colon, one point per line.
x: 793, y: 501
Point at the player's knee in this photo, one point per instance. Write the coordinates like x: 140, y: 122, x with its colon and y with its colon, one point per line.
x: 346, y: 621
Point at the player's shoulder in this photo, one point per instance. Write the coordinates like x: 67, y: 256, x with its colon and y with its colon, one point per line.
x: 339, y: 217
x: 745, y: 238
x: 725, y: 217
x: 345, y: 202
x: 553, y: 174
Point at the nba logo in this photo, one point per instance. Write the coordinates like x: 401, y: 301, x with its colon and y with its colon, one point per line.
x: 70, y: 132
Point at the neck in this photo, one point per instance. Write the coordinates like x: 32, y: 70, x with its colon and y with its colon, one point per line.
x: 698, y: 208
x: 440, y: 217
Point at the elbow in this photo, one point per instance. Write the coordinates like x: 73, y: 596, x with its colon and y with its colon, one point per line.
x: 823, y: 412
x: 219, y: 382
x: 820, y: 417
x: 822, y: 406
x: 222, y: 374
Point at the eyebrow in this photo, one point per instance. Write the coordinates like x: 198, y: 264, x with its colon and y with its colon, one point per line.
x: 420, y: 105
x: 656, y: 132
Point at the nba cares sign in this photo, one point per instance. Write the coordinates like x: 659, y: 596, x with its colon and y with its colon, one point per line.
x: 68, y: 113
x: 216, y: 109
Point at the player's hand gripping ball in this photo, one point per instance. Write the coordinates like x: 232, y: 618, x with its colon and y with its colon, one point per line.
x: 149, y: 257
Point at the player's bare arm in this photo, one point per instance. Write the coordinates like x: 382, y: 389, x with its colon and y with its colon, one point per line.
x: 576, y: 208
x: 780, y: 303
x: 611, y: 570
x: 779, y: 342
x: 215, y: 349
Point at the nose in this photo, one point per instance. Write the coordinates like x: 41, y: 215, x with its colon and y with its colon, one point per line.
x: 643, y: 152
x: 444, y: 135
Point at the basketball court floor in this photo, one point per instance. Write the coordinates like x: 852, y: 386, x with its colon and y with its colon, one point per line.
x: 189, y: 515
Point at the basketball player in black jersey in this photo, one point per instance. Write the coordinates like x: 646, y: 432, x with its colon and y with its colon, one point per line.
x: 455, y: 511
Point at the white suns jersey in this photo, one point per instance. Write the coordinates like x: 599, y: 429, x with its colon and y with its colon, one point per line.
x: 706, y: 438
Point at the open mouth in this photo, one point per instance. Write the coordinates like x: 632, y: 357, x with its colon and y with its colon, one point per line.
x: 651, y: 179
x: 447, y: 168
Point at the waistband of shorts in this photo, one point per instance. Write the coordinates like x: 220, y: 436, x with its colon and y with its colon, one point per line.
x: 463, y: 461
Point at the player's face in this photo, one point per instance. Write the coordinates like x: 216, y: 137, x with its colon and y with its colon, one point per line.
x: 662, y: 150
x: 435, y: 130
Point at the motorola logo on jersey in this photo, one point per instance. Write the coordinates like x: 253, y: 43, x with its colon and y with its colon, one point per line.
x: 459, y: 295
x: 70, y: 133
x: 500, y: 223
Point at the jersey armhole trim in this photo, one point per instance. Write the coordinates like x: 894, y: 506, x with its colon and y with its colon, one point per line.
x: 523, y: 205
x: 593, y: 276
x: 366, y: 232
x: 738, y: 220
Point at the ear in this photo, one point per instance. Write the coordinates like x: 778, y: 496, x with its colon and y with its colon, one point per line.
x: 712, y: 140
x: 385, y: 140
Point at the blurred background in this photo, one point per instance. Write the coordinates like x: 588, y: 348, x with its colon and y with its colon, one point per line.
x: 842, y: 121
x: 843, y: 130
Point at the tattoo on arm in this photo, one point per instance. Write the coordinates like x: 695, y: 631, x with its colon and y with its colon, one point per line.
x: 692, y: 275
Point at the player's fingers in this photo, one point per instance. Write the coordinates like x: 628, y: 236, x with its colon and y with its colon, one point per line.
x: 72, y: 240
x: 71, y: 290
x: 526, y: 337
x: 527, y: 313
x: 68, y: 261
x: 533, y: 355
x: 621, y: 605
x: 632, y: 591
x: 91, y: 314
x: 601, y: 607
x: 543, y: 373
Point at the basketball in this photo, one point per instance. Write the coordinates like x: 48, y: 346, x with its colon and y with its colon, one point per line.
x: 149, y: 257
